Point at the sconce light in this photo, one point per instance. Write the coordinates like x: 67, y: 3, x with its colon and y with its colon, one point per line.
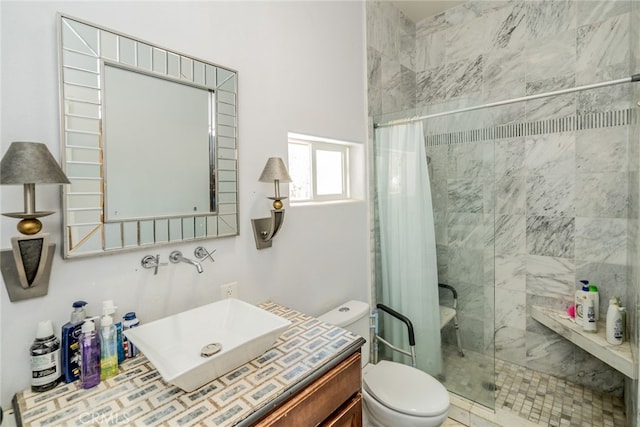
x: 27, y: 267
x: 265, y: 229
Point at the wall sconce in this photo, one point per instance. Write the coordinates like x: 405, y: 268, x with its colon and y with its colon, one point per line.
x: 265, y: 229
x: 27, y: 267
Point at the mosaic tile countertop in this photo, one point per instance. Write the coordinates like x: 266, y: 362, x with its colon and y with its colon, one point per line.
x: 138, y: 396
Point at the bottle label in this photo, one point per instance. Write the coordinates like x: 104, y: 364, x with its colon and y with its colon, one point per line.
x: 617, y: 330
x: 45, y: 368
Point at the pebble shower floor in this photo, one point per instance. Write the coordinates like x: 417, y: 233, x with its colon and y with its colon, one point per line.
x: 537, y: 397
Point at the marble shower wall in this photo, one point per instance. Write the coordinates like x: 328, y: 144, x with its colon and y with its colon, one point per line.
x: 557, y: 197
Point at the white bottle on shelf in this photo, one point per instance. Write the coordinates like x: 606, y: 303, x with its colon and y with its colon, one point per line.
x: 589, y: 319
x: 615, y: 327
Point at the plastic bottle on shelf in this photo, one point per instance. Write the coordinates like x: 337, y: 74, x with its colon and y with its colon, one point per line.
x: 70, y: 348
x: 615, y: 325
x: 45, y: 358
x: 89, y: 355
x: 109, y: 308
x: 130, y: 321
x: 108, y: 348
x: 589, y: 318
x: 581, y: 296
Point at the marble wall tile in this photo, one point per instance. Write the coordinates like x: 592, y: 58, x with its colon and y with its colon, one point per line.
x: 466, y: 40
x: 511, y: 311
x: 594, y: 11
x: 470, y: 160
x: 430, y: 51
x: 506, y: 26
x: 550, y: 154
x: 468, y: 230
x: 465, y: 12
x: 553, y: 56
x: 602, y: 150
x: 601, y: 240
x: 604, y: 44
x: 465, y: 196
x: 557, y: 106
x: 374, y: 25
x: 550, y: 277
x: 548, y: 18
x: 468, y: 265
x: 511, y: 344
x: 374, y: 82
x: 551, y: 195
x: 397, y: 86
x: 510, y: 235
x: 511, y: 195
x: 597, y: 375
x: 610, y: 98
x: 503, y: 74
x: 509, y: 155
x: 431, y: 85
x: 607, y: 195
x: 550, y: 354
x: 390, y: 31
x: 431, y: 24
x: 464, y: 77
x: 551, y: 236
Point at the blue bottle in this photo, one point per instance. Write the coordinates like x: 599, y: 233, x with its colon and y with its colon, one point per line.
x: 70, y: 353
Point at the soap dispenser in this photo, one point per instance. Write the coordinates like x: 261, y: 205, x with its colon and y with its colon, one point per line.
x: 89, y: 355
x: 108, y: 348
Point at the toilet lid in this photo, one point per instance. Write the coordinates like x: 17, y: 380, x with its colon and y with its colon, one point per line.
x: 405, y: 389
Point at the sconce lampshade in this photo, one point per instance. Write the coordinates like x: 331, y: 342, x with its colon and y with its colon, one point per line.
x: 274, y: 169
x: 30, y: 163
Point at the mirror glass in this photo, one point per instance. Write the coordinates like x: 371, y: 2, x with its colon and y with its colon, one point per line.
x: 149, y: 143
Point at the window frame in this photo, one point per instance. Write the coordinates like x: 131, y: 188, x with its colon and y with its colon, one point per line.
x: 314, y: 145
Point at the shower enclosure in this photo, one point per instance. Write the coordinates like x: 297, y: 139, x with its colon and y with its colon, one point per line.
x: 528, y: 197
x: 526, y: 203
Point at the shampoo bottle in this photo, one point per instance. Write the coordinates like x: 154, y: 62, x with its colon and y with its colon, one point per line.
x: 615, y: 329
x: 589, y: 319
x: 108, y: 348
x: 89, y: 355
x: 70, y: 348
x: 580, y: 299
x: 45, y: 358
x: 110, y: 309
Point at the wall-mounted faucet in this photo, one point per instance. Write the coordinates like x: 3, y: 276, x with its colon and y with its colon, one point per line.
x: 151, y: 261
x: 176, y: 257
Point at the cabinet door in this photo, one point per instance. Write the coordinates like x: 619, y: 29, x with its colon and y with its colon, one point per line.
x: 321, y: 399
x: 349, y: 415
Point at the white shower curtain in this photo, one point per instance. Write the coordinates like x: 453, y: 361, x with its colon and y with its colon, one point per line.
x: 407, y: 241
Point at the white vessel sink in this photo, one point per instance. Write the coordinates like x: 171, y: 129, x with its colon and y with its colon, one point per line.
x: 174, y: 344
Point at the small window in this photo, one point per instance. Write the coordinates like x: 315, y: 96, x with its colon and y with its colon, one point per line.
x: 318, y: 169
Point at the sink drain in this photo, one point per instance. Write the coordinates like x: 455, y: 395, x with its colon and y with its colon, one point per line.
x: 210, y: 349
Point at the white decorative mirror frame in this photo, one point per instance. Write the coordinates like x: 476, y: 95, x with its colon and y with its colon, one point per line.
x: 84, y: 49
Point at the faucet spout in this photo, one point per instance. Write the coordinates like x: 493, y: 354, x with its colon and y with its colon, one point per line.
x: 176, y: 257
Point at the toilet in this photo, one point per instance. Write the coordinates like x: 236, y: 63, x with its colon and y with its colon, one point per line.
x: 393, y: 394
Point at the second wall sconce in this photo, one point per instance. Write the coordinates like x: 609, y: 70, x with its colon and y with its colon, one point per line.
x: 27, y: 267
x: 265, y: 229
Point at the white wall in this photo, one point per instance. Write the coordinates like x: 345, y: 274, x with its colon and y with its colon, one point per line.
x: 301, y: 68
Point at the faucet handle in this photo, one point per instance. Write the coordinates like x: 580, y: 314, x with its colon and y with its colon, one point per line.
x: 202, y: 253
x: 151, y: 261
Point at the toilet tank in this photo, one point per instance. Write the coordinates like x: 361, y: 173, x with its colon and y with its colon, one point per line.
x: 354, y: 317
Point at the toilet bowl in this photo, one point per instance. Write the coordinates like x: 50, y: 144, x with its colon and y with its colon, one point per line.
x: 393, y: 394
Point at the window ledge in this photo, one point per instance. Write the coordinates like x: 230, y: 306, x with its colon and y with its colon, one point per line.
x: 324, y: 202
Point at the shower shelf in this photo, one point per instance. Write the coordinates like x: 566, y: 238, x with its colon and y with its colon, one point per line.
x: 618, y: 357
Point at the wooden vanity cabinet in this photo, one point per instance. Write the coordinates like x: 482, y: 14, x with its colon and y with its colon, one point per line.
x: 332, y: 400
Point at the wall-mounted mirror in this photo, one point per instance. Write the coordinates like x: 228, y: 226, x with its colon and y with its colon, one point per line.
x: 149, y: 143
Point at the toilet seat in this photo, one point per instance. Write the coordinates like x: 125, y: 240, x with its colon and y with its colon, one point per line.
x: 405, y: 389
